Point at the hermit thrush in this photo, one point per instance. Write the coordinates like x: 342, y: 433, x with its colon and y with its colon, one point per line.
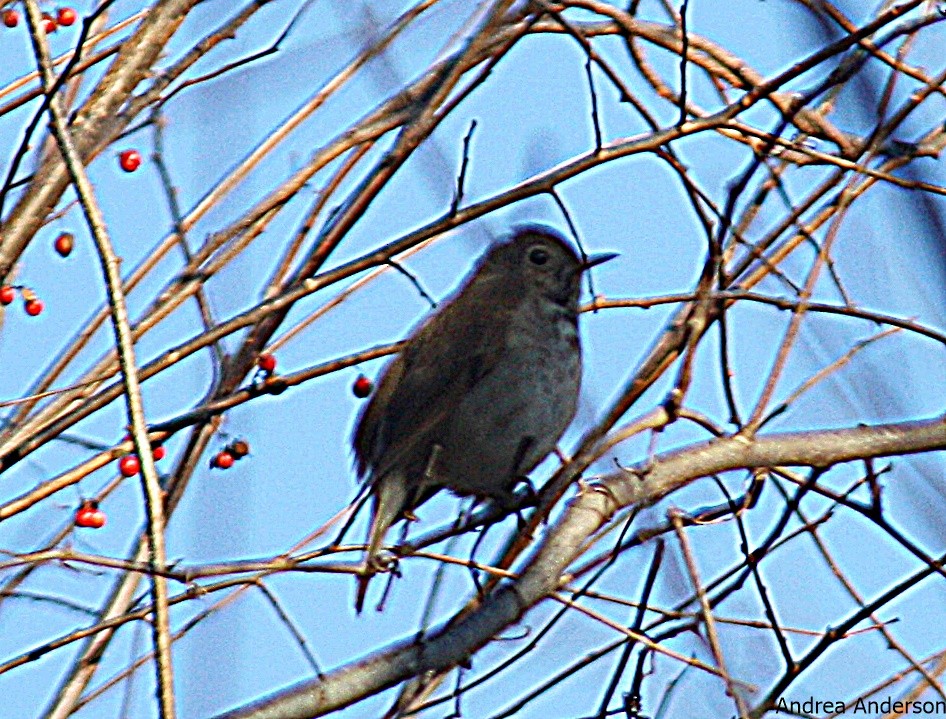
x: 483, y: 389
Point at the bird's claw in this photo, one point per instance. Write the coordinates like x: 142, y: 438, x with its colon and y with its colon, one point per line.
x: 381, y: 563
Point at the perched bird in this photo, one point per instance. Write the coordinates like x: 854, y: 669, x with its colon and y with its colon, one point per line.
x: 483, y: 389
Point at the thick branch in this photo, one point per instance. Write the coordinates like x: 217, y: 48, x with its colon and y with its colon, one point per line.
x: 546, y: 570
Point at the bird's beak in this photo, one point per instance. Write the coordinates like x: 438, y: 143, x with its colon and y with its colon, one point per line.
x: 593, y: 260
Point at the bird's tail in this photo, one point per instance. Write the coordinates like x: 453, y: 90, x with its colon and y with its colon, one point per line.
x: 390, y: 501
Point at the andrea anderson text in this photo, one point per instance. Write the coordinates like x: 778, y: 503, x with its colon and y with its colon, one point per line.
x: 864, y: 707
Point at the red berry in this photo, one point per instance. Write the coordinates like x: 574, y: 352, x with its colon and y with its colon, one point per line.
x: 33, y: 306
x: 129, y: 160
x: 11, y: 18
x: 362, y: 387
x: 66, y: 16
x: 222, y: 460
x: 89, y: 515
x: 49, y: 23
x: 64, y: 244
x: 7, y: 295
x: 266, y: 362
x: 129, y: 465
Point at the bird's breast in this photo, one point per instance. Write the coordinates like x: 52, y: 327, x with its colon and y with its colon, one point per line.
x: 549, y: 329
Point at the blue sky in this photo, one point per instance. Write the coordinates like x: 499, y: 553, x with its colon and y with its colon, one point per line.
x: 532, y: 114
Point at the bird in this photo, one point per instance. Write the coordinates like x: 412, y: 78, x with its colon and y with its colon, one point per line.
x: 482, y: 390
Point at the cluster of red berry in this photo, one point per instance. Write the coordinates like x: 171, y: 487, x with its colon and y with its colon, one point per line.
x: 130, y: 465
x: 361, y: 388
x: 64, y: 16
x: 90, y: 515
x: 32, y: 305
x: 225, y: 458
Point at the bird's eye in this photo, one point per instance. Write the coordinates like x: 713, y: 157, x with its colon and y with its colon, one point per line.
x: 538, y: 256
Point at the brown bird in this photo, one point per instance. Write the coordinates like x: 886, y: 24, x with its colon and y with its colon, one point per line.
x: 483, y: 389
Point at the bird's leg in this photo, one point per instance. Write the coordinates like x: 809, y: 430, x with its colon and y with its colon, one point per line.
x: 426, y: 480
x: 474, y: 575
x: 390, y: 494
x: 390, y: 563
x: 513, y: 504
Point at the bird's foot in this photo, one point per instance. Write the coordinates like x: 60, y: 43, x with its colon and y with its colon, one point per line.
x: 381, y: 563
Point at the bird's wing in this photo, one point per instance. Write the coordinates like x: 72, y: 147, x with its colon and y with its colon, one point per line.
x: 444, y: 360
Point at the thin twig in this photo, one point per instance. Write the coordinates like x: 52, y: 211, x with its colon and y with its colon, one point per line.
x: 126, y: 355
